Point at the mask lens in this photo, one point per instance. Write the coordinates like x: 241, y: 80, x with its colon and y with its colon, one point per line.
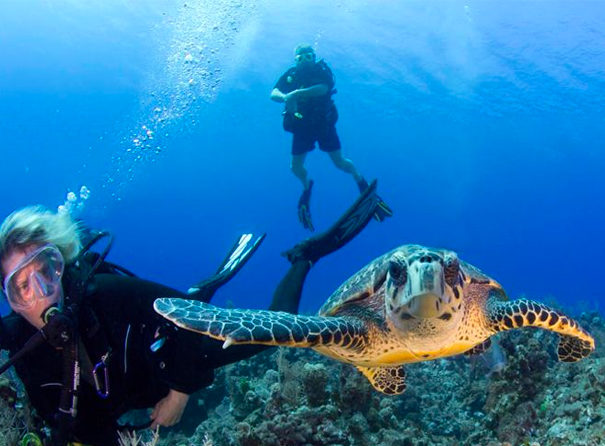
x: 37, y: 276
x: 19, y: 290
x: 305, y: 56
x: 42, y: 285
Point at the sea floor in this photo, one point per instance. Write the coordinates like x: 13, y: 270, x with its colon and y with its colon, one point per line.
x: 295, y: 397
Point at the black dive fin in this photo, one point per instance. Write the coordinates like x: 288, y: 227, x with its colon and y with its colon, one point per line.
x: 345, y: 229
x: 382, y: 210
x: 304, y: 208
x: 237, y: 257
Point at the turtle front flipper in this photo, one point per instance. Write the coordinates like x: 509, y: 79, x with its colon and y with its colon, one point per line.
x: 388, y: 380
x: 235, y: 326
x: 575, y: 343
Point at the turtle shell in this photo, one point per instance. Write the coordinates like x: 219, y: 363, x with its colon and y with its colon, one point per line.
x: 363, y: 284
x: 367, y: 281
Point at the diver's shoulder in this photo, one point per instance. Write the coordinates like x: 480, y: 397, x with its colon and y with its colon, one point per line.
x: 323, y: 65
x: 289, y: 72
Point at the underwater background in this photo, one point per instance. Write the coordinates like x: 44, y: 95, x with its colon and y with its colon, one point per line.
x: 483, y: 122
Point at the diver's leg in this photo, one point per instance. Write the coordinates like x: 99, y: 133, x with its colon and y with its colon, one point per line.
x: 345, y: 164
x: 289, y: 290
x: 297, y: 166
x: 329, y: 142
x: 340, y: 233
x: 301, y: 144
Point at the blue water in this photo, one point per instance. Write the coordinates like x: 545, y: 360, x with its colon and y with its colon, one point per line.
x: 482, y: 120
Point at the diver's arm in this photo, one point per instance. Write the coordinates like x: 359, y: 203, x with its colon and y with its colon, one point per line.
x: 285, y: 298
x: 310, y: 92
x: 120, y: 301
x: 301, y: 93
x: 289, y: 99
x: 169, y: 410
x: 277, y: 95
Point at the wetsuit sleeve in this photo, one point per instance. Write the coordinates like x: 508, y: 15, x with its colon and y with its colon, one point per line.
x: 286, y: 298
x: 215, y: 356
x: 325, y: 75
x: 187, y: 360
x: 128, y: 301
x: 132, y: 296
x: 282, y: 83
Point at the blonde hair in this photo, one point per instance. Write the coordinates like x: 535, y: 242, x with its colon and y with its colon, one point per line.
x: 38, y: 225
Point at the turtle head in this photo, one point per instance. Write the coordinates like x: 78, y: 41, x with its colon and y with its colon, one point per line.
x: 421, y: 285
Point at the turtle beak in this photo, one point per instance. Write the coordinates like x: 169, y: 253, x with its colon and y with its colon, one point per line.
x: 425, y: 306
x: 423, y: 295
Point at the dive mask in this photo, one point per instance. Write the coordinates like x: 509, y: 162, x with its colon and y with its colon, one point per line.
x: 308, y: 57
x: 37, y: 276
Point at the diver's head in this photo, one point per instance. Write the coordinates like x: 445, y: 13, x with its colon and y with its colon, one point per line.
x: 35, y: 245
x: 304, y: 55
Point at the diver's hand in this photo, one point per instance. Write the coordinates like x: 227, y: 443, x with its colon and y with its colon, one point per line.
x: 168, y: 411
x: 291, y: 102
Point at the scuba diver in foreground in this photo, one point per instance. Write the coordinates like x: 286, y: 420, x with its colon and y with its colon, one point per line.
x: 85, y: 340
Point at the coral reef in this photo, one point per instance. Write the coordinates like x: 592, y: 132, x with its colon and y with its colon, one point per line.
x: 521, y: 396
x: 16, y: 418
x: 295, y: 397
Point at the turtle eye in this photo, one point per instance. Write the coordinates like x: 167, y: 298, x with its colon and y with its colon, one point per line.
x: 398, y: 272
x: 452, y: 270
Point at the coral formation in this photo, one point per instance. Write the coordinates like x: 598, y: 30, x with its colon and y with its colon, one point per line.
x: 520, y: 396
x: 296, y: 397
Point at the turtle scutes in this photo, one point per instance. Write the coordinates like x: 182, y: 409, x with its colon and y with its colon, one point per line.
x: 411, y: 304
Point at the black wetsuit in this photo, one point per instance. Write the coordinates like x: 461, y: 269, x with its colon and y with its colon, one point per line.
x: 138, y: 377
x: 318, y: 115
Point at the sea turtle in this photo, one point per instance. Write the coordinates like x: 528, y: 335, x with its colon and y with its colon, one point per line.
x: 411, y: 304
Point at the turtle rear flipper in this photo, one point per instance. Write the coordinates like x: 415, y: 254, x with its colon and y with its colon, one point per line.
x: 388, y: 380
x: 575, y: 343
x: 262, y: 326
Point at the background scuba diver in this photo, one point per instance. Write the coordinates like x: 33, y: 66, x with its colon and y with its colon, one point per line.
x: 310, y: 115
x: 128, y: 356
